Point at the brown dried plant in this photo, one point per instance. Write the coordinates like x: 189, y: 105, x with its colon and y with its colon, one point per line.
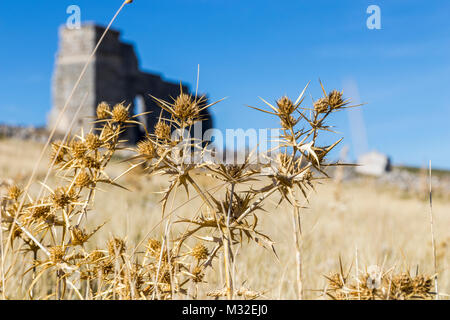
x: 374, y: 283
x: 230, y: 217
x: 51, y: 232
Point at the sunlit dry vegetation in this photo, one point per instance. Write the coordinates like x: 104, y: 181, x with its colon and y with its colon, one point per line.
x: 93, y: 222
x: 157, y: 227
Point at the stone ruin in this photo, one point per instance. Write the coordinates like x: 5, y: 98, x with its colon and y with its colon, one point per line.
x: 373, y: 163
x: 113, y: 76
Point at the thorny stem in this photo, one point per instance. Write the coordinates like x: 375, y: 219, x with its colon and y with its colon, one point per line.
x: 2, y: 263
x: 227, y: 260
x: 201, y: 193
x: 226, y: 238
x: 58, y: 286
x: 253, y: 206
x: 298, y: 252
x: 433, y: 243
x: 227, y: 264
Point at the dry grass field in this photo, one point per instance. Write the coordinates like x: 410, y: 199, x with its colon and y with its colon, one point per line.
x: 369, y: 225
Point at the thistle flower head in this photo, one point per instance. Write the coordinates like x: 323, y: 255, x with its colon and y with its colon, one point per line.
x: 78, y: 149
x: 197, y: 274
x: 146, y: 149
x: 63, y: 197
x: 83, y: 179
x: 40, y: 211
x: 57, y: 254
x: 96, y: 255
x: 154, y: 247
x: 93, y: 141
x: 335, y: 99
x: 200, y: 252
x: 120, y: 113
x: 90, y: 162
x: 185, y: 107
x: 321, y: 105
x: 116, y: 247
x: 288, y: 121
x: 14, y: 192
x: 162, y: 130
x: 285, y: 106
x: 103, y: 111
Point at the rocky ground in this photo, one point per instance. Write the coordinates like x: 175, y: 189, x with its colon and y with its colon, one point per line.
x: 23, y: 133
x: 412, y: 181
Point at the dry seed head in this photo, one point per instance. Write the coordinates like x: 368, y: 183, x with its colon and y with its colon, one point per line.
x: 198, y: 274
x: 146, y: 148
x: 335, y: 99
x: 404, y: 286
x: 57, y: 254
x: 321, y: 105
x: 40, y: 212
x: 288, y: 121
x: 116, y: 246
x: 83, y: 179
x: 285, y: 105
x: 154, y: 247
x: 14, y: 192
x: 96, y: 255
x: 61, y: 197
x: 91, y: 163
x: 185, y: 108
x: 93, y: 141
x: 120, y: 113
x: 78, y: 149
x: 103, y: 111
x: 200, y: 252
x: 162, y: 130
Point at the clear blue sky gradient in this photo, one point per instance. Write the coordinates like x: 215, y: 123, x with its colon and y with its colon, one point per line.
x: 261, y: 48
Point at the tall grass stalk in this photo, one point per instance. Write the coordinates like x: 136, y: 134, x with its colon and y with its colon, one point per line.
x: 433, y: 241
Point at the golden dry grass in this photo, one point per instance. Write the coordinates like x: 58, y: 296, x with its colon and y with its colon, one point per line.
x: 384, y: 228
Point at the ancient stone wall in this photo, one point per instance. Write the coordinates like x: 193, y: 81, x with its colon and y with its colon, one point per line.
x: 113, y: 76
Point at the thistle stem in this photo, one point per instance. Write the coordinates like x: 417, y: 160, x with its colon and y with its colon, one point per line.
x: 433, y: 243
x: 227, y: 243
x: 298, y: 252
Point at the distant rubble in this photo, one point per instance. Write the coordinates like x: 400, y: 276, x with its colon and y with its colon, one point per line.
x: 38, y: 134
x: 408, y: 180
x: 416, y: 182
x: 377, y: 166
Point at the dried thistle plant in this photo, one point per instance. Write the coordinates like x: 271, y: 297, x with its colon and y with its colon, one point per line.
x: 373, y: 283
x: 53, y: 227
x: 231, y: 217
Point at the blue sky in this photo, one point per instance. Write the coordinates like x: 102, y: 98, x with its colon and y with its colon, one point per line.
x: 262, y: 48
